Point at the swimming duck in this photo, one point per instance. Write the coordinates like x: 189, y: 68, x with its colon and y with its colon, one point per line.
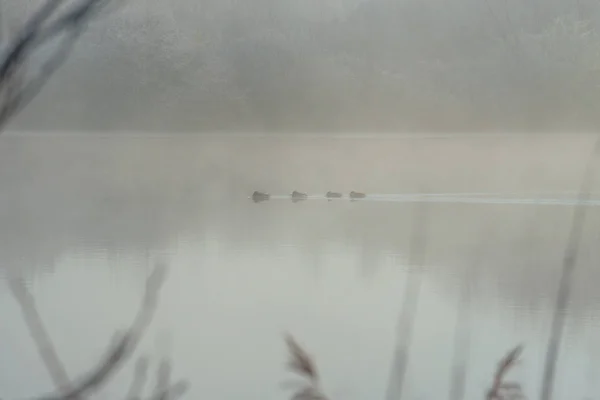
x: 333, y: 195
x: 257, y: 196
x: 298, y: 196
x: 357, y: 195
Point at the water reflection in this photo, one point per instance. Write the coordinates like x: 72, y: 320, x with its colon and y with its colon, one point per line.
x: 84, y: 216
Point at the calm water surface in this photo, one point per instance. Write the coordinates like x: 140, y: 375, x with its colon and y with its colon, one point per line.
x: 84, y: 217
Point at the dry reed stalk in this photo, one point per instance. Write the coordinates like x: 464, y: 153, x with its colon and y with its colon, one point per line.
x: 506, y: 390
x: 164, y: 389
x: 462, y: 337
x: 140, y: 376
x: 408, y: 310
x: 568, y: 267
x: 301, y: 363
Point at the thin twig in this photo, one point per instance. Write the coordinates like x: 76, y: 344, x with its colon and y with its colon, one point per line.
x: 19, y: 48
x: 568, y: 266
x: 140, y: 374
x: 125, y: 344
x: 462, y: 336
x: 164, y: 389
x: 409, y: 306
x: 40, y: 336
x: 163, y: 379
x: 20, y: 98
x: 41, y: 28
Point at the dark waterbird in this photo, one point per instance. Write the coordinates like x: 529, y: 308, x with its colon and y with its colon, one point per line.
x: 257, y: 196
x: 333, y: 195
x: 357, y: 195
x: 298, y: 196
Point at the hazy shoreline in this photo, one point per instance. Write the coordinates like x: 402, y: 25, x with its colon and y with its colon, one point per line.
x: 284, y: 135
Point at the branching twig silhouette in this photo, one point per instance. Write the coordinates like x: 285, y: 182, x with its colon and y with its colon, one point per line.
x: 54, y: 20
x: 118, y: 353
x: 40, y: 336
x: 64, y: 21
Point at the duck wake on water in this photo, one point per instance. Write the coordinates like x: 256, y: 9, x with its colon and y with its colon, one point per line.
x: 556, y: 199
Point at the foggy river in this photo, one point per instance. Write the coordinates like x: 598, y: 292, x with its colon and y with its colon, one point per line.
x: 84, y: 218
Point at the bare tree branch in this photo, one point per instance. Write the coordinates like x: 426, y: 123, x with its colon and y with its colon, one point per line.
x: 17, y: 89
x: 123, y: 347
x: 40, y: 336
x: 20, y: 97
x: 50, y: 22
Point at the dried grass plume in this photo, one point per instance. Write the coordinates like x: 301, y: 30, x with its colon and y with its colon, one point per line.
x: 502, y: 389
x: 302, y: 364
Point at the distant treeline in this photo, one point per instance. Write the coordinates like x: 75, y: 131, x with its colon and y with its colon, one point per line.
x: 345, y: 65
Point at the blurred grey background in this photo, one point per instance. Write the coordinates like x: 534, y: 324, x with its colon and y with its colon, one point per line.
x: 327, y: 65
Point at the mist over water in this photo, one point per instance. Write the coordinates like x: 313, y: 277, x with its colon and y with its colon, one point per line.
x: 84, y: 217
x: 147, y: 145
x: 327, y: 65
